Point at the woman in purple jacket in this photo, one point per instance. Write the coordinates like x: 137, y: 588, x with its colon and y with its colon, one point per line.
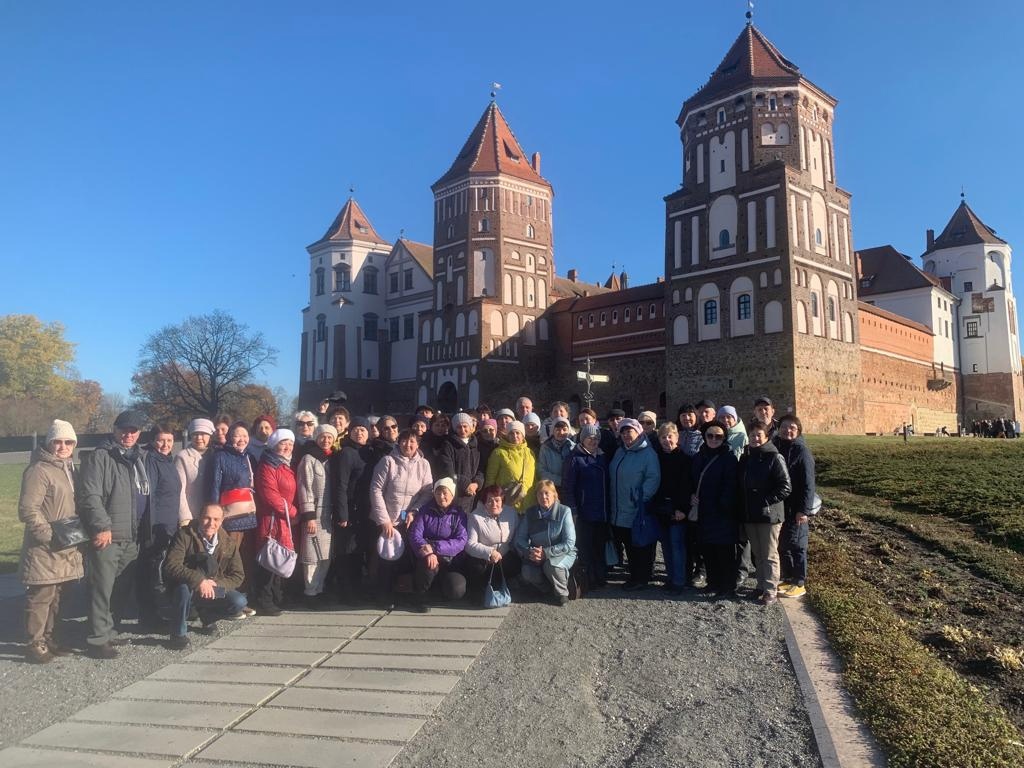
x: 437, y: 537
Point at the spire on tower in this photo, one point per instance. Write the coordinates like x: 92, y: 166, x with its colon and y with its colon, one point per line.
x: 750, y: 12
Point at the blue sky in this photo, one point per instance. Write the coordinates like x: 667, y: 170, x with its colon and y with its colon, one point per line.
x: 160, y: 160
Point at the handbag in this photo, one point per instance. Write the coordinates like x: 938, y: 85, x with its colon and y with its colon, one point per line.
x: 646, y: 530
x: 496, y: 596
x: 695, y: 504
x: 67, y: 533
x: 276, y: 557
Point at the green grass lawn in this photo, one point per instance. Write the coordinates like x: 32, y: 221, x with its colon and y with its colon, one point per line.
x: 11, y: 528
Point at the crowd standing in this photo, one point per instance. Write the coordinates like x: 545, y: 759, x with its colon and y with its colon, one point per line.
x: 260, y: 518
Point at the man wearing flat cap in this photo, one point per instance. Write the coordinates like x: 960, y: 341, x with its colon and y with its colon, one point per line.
x: 111, y: 498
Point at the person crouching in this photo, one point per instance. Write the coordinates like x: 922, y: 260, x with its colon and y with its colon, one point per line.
x: 205, y: 568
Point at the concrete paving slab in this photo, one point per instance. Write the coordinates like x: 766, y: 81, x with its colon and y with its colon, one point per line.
x: 23, y: 757
x: 306, y: 722
x: 252, y: 748
x: 335, y: 631
x: 385, y: 702
x: 413, y: 647
x: 274, y: 643
x: 163, y: 713
x: 439, y: 622
x: 233, y: 673
x: 463, y: 634
x: 394, y: 661
x: 321, y: 618
x: 136, y: 739
x: 372, y: 680
x: 279, y: 658
x: 212, y: 693
x: 448, y: 610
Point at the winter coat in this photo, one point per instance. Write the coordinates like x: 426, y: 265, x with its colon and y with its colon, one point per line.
x: 430, y: 447
x: 443, y: 529
x: 399, y: 483
x: 47, y: 495
x: 188, y: 563
x: 348, y: 476
x: 690, y: 441
x: 314, y: 504
x: 714, y: 476
x: 461, y: 462
x: 486, y: 448
x: 675, y: 488
x: 634, y: 479
x: 800, y: 463
x: 229, y: 470
x: 192, y: 467
x: 553, y: 530
x: 585, y: 484
x: 511, y: 463
x: 164, y: 493
x: 764, y: 485
x: 275, y: 499
x: 736, y: 437
x: 487, y: 533
x: 610, y: 442
x: 112, y: 490
x: 551, y: 461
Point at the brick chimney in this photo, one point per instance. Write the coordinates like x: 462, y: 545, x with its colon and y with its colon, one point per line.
x: 859, y: 272
x: 930, y: 237
x: 535, y: 162
x: 573, y: 275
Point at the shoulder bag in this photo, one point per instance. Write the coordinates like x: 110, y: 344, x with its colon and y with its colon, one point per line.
x: 646, y: 530
x: 695, y: 505
x: 496, y: 596
x: 274, y: 556
x: 67, y: 533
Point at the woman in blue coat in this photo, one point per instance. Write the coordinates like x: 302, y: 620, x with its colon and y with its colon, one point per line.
x: 546, y: 542
x: 634, y: 479
x: 585, y: 489
x: 714, y: 501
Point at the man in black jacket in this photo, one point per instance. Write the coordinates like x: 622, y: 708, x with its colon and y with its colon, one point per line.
x: 111, y: 496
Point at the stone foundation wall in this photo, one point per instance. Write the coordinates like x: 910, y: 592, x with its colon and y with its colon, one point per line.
x: 896, y: 391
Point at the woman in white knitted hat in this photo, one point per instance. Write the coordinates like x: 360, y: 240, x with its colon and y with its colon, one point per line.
x: 47, y: 495
x: 190, y: 466
x: 315, y: 515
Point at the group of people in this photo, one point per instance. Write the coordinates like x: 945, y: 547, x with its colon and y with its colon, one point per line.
x: 1004, y: 427
x: 455, y: 506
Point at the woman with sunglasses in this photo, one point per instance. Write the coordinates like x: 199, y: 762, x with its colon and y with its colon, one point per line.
x: 712, y: 511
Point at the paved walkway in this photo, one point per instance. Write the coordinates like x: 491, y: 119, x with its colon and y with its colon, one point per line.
x: 316, y: 690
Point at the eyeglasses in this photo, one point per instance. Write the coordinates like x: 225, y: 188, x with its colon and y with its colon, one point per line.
x: 63, y: 442
x: 714, y: 435
x: 647, y: 423
x: 389, y: 426
x: 308, y: 423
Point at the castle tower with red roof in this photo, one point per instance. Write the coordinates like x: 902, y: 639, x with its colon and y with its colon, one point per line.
x: 760, y: 275
x: 493, y: 272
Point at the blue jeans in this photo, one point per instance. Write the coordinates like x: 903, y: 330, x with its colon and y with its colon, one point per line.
x: 673, y: 549
x: 210, y: 610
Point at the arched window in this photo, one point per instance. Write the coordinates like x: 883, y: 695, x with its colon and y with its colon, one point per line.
x: 530, y: 232
x: 451, y: 231
x: 321, y: 327
x: 741, y: 296
x: 743, y: 307
x: 625, y: 315
x: 818, y: 240
x: 425, y: 334
x: 497, y: 328
x: 460, y: 325
x: 723, y: 238
x: 511, y: 324
x: 652, y: 311
x: 590, y: 320
x: 814, y: 305
x: 343, y: 278
x: 639, y: 313
x: 711, y: 312
x: 831, y: 309
x: 681, y: 330
x: 579, y: 322
x: 484, y: 225
x: 319, y: 281
x: 773, y: 317
x: 472, y: 323
x: 720, y: 117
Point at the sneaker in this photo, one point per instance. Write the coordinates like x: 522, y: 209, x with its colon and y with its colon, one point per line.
x: 38, y: 653
x: 249, y: 612
x: 794, y: 590
x: 783, y: 586
x: 178, y: 642
x: 105, y: 651
x: 238, y: 616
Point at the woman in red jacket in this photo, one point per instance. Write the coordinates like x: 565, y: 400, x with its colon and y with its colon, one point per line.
x: 275, y: 510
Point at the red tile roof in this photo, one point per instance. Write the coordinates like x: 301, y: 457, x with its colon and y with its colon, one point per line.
x: 491, y: 148
x: 351, y: 224
x: 886, y: 270
x: 422, y: 253
x: 564, y: 288
x: 606, y: 298
x: 964, y: 228
x: 752, y: 60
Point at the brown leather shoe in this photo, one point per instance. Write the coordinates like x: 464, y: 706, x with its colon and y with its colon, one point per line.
x: 105, y: 651
x: 38, y: 653
x: 57, y: 649
x: 768, y: 598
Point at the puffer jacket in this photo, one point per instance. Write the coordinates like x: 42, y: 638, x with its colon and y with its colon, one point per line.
x: 311, y: 477
x: 634, y: 477
x: 714, y: 482
x: 164, y: 493
x: 443, y: 529
x: 229, y: 470
x: 347, y: 470
x: 551, y: 460
x: 461, y: 462
x: 511, y: 463
x: 551, y: 529
x: 764, y: 485
x: 275, y: 499
x: 585, y: 484
x: 192, y: 466
x: 188, y: 563
x: 800, y: 463
x: 47, y: 495
x: 112, y: 486
x: 487, y: 533
x: 398, y: 483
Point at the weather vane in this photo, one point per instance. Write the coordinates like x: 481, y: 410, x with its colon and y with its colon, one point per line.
x: 750, y: 11
x: 351, y: 190
x: 495, y: 87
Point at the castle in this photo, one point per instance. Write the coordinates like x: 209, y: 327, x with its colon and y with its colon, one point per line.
x: 762, y: 290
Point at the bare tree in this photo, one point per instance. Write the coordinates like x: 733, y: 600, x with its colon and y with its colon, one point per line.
x: 195, y: 367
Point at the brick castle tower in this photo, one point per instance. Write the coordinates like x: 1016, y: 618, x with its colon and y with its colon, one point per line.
x: 761, y: 294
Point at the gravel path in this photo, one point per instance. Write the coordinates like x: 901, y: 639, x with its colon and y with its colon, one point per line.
x: 625, y: 680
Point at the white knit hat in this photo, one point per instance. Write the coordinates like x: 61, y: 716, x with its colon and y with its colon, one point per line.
x: 201, y: 427
x: 446, y: 482
x: 278, y: 435
x: 516, y: 426
x: 61, y: 430
x: 325, y: 429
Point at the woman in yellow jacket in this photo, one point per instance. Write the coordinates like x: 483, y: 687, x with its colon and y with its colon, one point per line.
x: 510, y: 463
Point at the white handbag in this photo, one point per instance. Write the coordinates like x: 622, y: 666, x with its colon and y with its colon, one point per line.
x: 276, y: 557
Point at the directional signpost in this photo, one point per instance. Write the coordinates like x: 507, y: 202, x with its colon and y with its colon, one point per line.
x: 590, y: 377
